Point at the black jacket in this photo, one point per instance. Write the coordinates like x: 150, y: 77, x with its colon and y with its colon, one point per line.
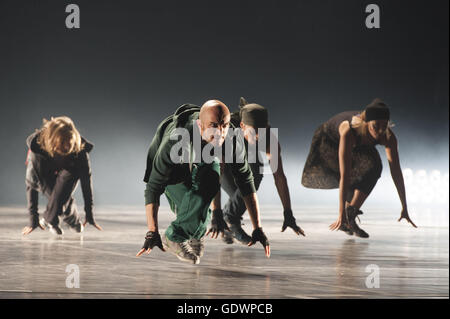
x: 77, y: 164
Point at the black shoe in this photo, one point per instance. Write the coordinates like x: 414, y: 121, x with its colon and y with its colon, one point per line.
x: 352, y: 213
x: 234, y: 224
x: 239, y: 234
x: 346, y: 230
x: 228, y: 237
x: 77, y: 227
x: 54, y: 229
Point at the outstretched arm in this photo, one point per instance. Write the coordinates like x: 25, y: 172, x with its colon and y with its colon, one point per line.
x: 152, y: 238
x: 86, y: 187
x: 280, y: 180
x: 397, y: 175
x: 243, y: 178
x: 252, y: 204
x: 345, y: 163
x: 157, y: 179
x: 32, y: 198
x: 283, y: 191
x: 151, y: 212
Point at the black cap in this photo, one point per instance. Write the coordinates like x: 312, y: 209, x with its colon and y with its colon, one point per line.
x: 253, y: 114
x: 377, y: 110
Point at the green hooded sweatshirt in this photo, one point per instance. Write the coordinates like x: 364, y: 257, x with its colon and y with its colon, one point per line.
x: 161, y: 171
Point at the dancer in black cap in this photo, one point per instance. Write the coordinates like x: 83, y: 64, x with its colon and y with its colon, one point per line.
x: 343, y: 155
x: 252, y: 119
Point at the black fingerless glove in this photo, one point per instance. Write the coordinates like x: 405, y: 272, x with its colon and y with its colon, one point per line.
x: 217, y: 221
x: 289, y: 216
x: 90, y: 220
x: 152, y: 239
x: 89, y: 217
x: 34, y: 221
x: 258, y: 235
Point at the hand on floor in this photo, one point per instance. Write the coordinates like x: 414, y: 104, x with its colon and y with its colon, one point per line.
x: 34, y: 223
x: 337, y: 224
x: 289, y: 221
x: 152, y: 239
x: 258, y: 235
x: 218, y: 224
x: 28, y: 229
x: 404, y: 214
x: 93, y: 223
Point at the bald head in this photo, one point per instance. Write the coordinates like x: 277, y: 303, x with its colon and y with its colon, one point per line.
x: 213, y: 108
x: 214, y: 121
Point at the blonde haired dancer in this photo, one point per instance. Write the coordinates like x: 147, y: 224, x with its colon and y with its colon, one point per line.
x: 57, y: 158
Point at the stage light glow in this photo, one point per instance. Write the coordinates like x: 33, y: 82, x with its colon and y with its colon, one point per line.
x: 426, y: 187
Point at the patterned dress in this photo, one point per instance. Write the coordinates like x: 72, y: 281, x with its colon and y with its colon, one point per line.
x: 321, y: 169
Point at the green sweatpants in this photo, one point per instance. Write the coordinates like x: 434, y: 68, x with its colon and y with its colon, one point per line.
x: 190, y: 202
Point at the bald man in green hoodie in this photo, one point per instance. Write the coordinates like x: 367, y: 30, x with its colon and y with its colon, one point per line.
x: 190, y: 183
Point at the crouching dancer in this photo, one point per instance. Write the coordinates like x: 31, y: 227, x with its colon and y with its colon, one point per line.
x: 252, y: 119
x: 343, y: 155
x: 57, y: 159
x: 191, y: 183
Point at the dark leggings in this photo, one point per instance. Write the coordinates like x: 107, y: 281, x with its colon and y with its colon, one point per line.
x: 58, y: 187
x: 235, y: 206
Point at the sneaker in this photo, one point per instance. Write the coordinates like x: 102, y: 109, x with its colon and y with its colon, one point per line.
x: 54, y: 229
x: 236, y: 231
x: 228, y: 237
x: 239, y: 234
x: 182, y: 250
x: 352, y: 213
x: 198, y: 246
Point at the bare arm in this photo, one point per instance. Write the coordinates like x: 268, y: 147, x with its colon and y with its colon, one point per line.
x: 151, y: 211
x: 251, y: 202
x: 397, y: 175
x: 345, y: 164
x: 283, y: 191
x: 216, y: 202
x: 152, y: 238
x: 281, y: 181
x: 396, y: 171
x: 346, y: 143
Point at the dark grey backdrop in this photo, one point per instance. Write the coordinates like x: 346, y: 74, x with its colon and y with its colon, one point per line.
x: 133, y: 62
